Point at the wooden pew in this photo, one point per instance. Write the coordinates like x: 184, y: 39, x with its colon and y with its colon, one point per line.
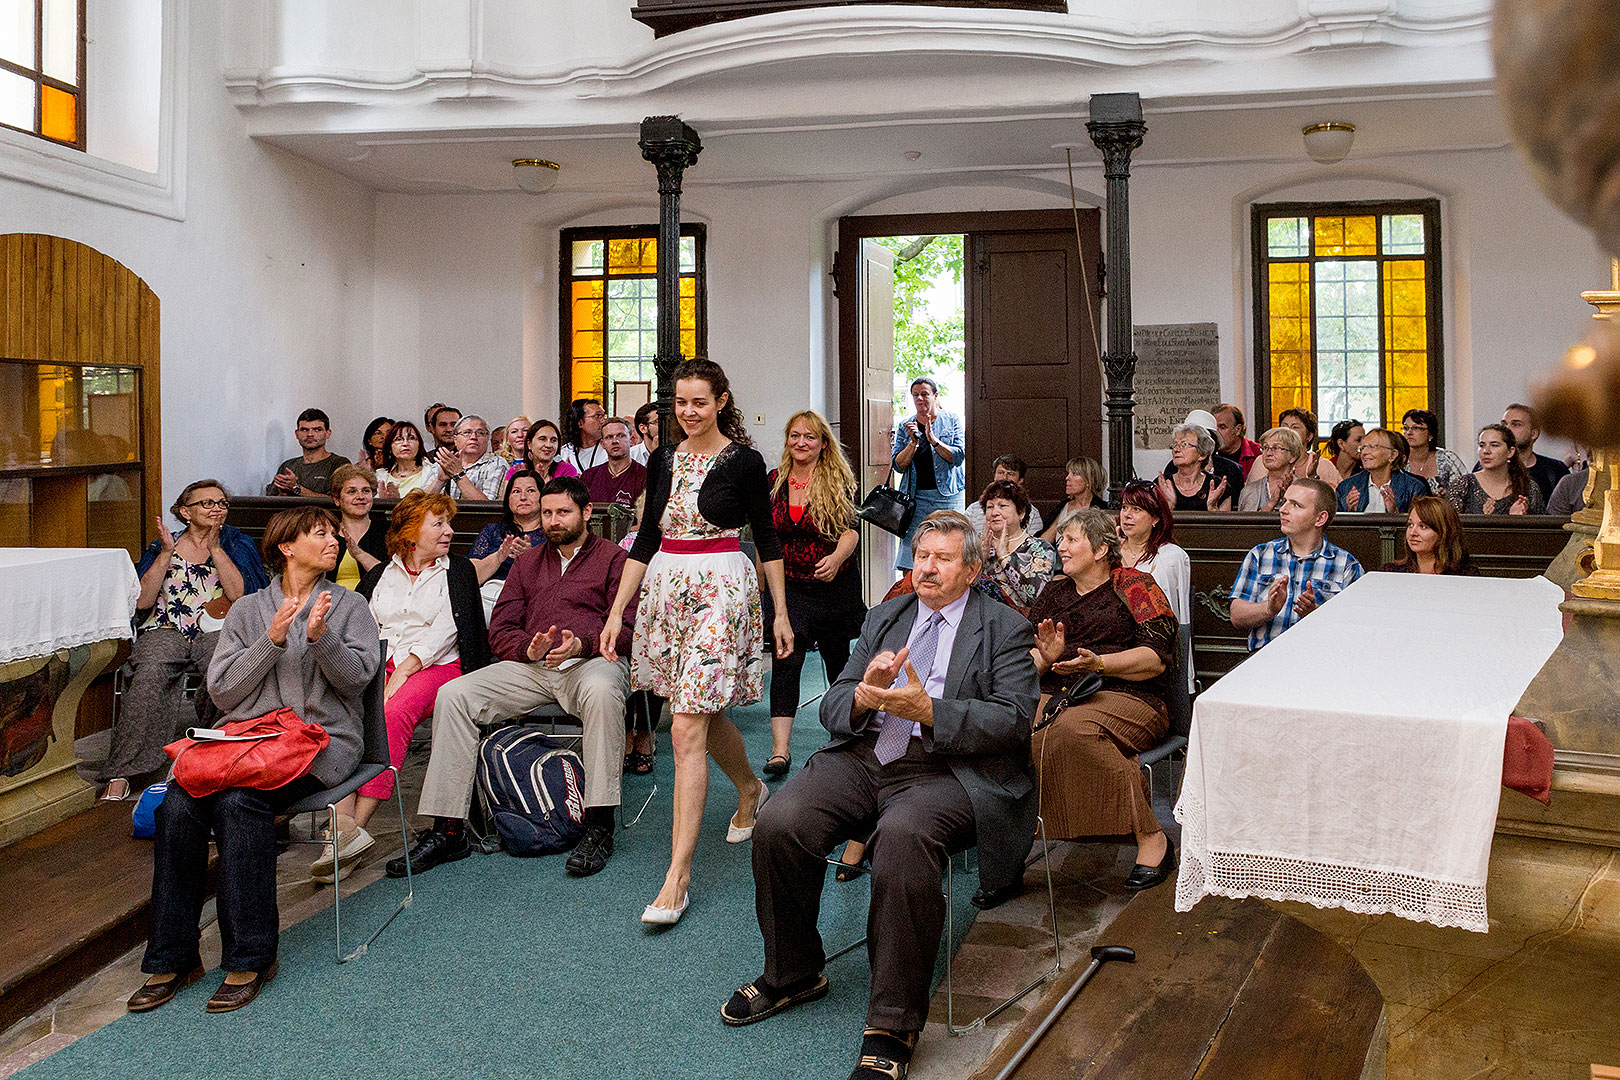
x: 251, y: 513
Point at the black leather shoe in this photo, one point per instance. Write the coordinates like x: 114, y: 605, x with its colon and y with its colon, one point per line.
x: 229, y: 998
x: 778, y: 766
x: 1145, y: 877
x: 985, y: 899
x: 592, y: 851
x: 431, y: 848
x: 152, y: 995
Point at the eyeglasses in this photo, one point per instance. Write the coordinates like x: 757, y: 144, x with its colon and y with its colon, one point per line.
x: 1184, y: 446
x: 212, y: 504
x: 1273, y: 446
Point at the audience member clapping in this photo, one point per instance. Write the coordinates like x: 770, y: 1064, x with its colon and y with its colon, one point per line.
x: 408, y: 466
x: 1280, y: 453
x: 309, y: 474
x: 364, y: 538
x: 1011, y: 468
x: 582, y: 435
x: 1284, y: 580
x: 543, y: 443
x: 1500, y: 484
x: 187, y: 583
x: 427, y: 607
x: 1427, y: 460
x: 1311, y: 463
x: 374, y: 446
x: 1017, y: 566
x: 1147, y: 543
x: 1103, y: 619
x: 1382, y: 486
x: 474, y: 471
x: 1434, y: 541
x: 1193, y: 485
x: 1085, y: 485
x: 1344, y: 447
x: 502, y: 541
x: 303, y: 644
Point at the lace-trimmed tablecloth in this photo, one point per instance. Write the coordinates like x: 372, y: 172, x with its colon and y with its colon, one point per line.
x: 1368, y: 782
x: 56, y: 598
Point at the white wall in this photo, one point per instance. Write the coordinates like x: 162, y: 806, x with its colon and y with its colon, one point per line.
x: 265, y: 287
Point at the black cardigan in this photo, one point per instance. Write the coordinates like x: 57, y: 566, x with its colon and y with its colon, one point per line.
x: 466, y: 606
x: 734, y: 493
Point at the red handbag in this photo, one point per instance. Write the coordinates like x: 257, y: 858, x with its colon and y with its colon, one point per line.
x: 265, y: 752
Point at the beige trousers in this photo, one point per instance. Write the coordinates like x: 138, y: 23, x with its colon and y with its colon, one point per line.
x: 594, y: 690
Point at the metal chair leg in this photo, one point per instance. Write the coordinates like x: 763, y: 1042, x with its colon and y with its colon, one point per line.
x: 643, y: 712
x: 337, y: 882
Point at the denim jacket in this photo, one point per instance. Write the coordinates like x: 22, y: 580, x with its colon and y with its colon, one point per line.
x: 949, y: 473
x: 1405, y: 486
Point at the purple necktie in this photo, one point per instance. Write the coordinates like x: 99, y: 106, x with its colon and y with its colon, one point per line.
x: 895, y: 734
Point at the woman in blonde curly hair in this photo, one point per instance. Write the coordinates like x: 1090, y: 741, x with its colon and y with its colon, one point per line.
x: 813, y: 507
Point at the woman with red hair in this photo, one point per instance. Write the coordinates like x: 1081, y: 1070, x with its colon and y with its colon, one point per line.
x: 1146, y: 524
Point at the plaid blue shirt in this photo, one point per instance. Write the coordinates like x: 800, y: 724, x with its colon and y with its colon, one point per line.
x: 1328, y: 565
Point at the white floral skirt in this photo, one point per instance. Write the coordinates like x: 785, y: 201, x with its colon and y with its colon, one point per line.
x: 698, y: 637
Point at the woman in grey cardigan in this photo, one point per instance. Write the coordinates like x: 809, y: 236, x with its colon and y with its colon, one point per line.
x: 301, y: 643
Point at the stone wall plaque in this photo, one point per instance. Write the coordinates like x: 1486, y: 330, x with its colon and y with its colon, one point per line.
x: 1177, y: 371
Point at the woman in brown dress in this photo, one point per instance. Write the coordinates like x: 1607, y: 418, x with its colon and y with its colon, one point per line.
x: 1116, y: 622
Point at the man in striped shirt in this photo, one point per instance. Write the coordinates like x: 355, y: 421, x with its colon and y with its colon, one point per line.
x: 1284, y: 580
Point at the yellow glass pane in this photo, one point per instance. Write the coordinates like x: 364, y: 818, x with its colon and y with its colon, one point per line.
x: 59, y: 114
x: 1406, y: 335
x: 632, y: 256
x: 587, y: 344
x: 688, y: 343
x: 1409, y: 369
x: 1289, y: 369
x: 1284, y: 398
x: 588, y: 378
x: 1403, y: 398
x: 1338, y: 236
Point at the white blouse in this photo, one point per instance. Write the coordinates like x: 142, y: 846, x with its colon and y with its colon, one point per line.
x: 426, y: 479
x: 414, y: 614
x: 1172, y: 569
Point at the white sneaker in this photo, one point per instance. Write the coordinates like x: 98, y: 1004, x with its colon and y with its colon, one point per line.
x: 663, y: 916
x: 737, y: 834
x: 351, y: 844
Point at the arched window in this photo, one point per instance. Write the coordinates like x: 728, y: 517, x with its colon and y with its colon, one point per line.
x: 1347, y: 310
x: 42, y: 68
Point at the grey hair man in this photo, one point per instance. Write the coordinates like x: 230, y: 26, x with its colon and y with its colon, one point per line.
x: 474, y: 471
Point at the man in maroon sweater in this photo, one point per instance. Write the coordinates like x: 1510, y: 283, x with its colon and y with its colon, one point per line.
x: 544, y: 630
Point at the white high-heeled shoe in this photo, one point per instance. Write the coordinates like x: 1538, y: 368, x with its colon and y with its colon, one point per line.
x: 737, y: 835
x: 663, y: 916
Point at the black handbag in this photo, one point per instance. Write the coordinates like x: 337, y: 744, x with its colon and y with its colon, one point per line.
x: 890, y: 509
x: 1077, y: 692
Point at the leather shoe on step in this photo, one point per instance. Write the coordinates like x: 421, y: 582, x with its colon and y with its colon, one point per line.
x: 985, y: 899
x: 1145, y: 877
x: 431, y: 848
x: 229, y: 998
x: 152, y: 995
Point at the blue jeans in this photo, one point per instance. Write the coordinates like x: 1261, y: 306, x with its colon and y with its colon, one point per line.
x: 244, y: 822
x: 927, y: 502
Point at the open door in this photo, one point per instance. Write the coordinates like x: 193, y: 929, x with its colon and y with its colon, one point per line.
x: 875, y: 289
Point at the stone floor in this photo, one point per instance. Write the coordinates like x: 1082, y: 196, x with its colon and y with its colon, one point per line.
x: 1536, y: 998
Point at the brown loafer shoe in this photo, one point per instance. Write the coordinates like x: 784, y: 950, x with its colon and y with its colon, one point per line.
x: 229, y: 998
x: 152, y: 995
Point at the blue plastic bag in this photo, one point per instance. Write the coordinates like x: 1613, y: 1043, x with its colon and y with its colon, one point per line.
x: 145, y: 815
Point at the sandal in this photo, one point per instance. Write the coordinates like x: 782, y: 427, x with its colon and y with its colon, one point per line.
x: 117, y: 790
x: 851, y: 871
x: 748, y: 1005
x: 639, y: 763
x: 777, y: 765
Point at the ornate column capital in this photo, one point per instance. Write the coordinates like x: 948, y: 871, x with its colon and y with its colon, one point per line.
x: 672, y: 147
x: 1115, y: 140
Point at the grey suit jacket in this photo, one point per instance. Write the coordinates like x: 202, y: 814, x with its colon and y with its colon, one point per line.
x: 981, y: 726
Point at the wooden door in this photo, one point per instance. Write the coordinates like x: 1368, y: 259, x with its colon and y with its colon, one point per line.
x: 875, y: 284
x: 1034, y: 374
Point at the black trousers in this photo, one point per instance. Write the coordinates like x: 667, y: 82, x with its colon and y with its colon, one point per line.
x: 244, y: 822
x: 918, y: 814
x: 825, y: 615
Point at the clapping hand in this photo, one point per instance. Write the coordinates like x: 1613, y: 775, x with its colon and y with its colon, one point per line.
x: 914, y: 431
x: 1084, y: 660
x: 909, y: 702
x: 1049, y: 640
x: 1217, y: 493
x: 282, y: 622
x: 508, y: 548
x: 1521, y: 505
x: 1388, y: 492
x: 568, y: 646
x: 286, y: 480
x: 884, y: 668
x: 1167, y: 488
x: 1277, y: 594
x: 165, y: 537
x: 541, y: 644
x: 317, y: 617
x: 1352, y: 499
x: 446, y: 462
x: 1306, y: 602
x: 388, y: 490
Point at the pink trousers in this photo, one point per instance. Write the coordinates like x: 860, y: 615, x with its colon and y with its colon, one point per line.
x: 410, y: 705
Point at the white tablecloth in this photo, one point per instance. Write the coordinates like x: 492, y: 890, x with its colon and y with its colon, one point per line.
x: 56, y: 598
x: 1366, y: 778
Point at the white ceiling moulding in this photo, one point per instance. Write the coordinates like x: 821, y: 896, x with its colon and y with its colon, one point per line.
x: 1222, y: 56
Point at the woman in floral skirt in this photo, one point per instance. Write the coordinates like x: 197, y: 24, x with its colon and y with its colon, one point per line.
x: 698, y: 636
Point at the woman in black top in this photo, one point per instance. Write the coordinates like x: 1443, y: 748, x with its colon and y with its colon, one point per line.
x: 698, y: 627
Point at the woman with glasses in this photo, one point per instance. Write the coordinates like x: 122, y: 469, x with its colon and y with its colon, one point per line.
x: 1383, y: 486
x: 188, y: 582
x: 1193, y: 485
x: 406, y: 465
x: 1302, y: 422
x: 1428, y: 460
x: 1280, y: 452
x: 582, y: 435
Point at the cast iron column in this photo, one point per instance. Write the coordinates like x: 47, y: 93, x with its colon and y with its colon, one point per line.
x: 1116, y: 129
x: 672, y: 147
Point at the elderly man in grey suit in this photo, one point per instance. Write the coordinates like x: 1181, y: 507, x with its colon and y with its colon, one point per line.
x: 930, y: 725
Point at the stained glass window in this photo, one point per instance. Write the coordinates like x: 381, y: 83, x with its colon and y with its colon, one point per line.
x: 610, y: 310
x: 1347, y: 312
x: 42, y: 68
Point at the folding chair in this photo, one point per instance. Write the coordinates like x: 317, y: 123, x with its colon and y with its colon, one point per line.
x: 1178, y: 702
x: 373, y: 763
x: 950, y: 936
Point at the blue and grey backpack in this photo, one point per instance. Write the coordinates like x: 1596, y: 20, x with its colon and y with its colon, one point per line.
x: 533, y: 790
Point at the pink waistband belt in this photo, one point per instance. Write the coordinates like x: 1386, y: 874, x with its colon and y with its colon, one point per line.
x: 700, y: 547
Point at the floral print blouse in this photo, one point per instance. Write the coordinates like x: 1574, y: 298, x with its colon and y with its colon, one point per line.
x: 187, y: 586
x: 1019, y: 578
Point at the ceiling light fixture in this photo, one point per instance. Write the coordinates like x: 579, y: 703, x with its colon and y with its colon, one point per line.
x: 535, y: 175
x: 1328, y: 143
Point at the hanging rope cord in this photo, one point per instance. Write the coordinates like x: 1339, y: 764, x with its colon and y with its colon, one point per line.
x: 1085, y: 278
